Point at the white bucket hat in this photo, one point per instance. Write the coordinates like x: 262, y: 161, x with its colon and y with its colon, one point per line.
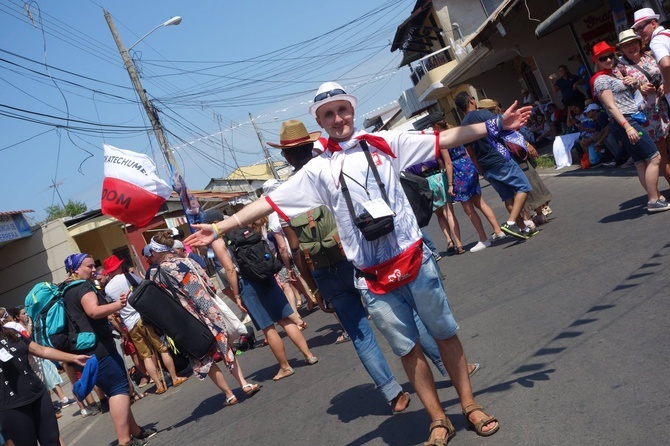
x: 643, y: 15
x: 329, y: 92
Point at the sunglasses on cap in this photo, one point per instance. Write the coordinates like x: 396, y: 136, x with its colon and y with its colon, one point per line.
x: 328, y: 94
x: 606, y: 58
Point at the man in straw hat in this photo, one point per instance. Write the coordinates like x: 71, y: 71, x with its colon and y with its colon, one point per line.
x: 645, y: 24
x: 401, y: 276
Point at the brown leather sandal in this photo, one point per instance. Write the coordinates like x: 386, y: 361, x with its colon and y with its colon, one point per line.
x: 446, y: 424
x: 480, y: 424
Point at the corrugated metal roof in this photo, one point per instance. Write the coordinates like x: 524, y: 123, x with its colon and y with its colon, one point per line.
x: 24, y: 211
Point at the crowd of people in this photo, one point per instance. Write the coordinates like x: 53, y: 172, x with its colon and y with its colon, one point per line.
x: 622, y: 116
x: 340, y: 234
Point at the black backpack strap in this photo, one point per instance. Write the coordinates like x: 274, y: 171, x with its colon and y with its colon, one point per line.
x: 131, y: 280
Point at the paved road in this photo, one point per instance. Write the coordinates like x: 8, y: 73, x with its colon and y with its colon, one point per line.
x: 570, y: 327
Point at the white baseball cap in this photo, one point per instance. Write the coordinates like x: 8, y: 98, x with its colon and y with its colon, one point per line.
x: 591, y: 107
x: 329, y: 92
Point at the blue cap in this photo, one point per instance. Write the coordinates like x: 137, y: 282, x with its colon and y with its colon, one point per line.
x: 146, y: 251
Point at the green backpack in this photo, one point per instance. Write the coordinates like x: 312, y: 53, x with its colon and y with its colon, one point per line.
x: 319, y: 240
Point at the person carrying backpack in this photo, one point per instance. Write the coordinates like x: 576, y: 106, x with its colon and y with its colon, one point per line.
x: 255, y: 290
x: 89, y: 310
x: 317, y: 250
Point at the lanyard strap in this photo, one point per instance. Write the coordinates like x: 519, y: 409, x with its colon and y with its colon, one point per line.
x: 375, y: 172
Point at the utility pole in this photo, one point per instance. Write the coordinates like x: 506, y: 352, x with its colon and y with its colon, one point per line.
x: 55, y: 186
x: 265, y: 150
x: 148, y: 108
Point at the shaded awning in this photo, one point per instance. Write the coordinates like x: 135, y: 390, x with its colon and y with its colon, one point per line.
x: 417, y: 18
x: 503, y: 9
x: 568, y: 12
x: 480, y: 60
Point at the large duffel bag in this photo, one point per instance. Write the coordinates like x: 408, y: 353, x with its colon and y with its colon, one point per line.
x: 161, y: 308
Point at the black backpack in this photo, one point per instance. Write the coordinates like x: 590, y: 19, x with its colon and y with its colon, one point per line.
x: 253, y: 255
x: 419, y: 195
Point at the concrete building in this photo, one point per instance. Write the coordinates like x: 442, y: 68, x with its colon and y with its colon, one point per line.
x: 38, y: 255
x: 495, y: 48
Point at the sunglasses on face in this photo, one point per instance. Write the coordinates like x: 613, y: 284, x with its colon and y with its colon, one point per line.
x: 606, y: 58
x: 639, y: 29
x: 328, y: 94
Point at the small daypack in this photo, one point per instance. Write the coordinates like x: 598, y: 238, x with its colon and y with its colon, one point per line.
x: 52, y: 325
x: 320, y: 242
x: 254, y: 257
x: 420, y: 196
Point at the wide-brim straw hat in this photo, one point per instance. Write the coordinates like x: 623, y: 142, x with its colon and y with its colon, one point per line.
x: 601, y: 48
x: 293, y: 133
x: 487, y: 104
x: 644, y: 15
x: 330, y: 92
x: 627, y: 35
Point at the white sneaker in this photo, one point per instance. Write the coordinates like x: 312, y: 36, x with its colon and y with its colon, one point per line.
x: 480, y: 246
x: 496, y: 237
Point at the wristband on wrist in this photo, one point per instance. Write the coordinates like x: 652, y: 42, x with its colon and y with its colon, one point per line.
x: 238, y: 221
x: 217, y: 234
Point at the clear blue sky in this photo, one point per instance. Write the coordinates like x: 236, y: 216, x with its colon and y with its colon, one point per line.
x: 225, y: 60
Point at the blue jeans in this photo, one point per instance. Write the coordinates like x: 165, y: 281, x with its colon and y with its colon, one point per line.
x: 429, y: 346
x: 429, y: 243
x: 394, y: 313
x: 644, y: 150
x: 507, y: 179
x: 336, y: 285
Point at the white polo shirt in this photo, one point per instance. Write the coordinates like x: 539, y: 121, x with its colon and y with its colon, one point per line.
x: 318, y: 183
x: 660, y: 45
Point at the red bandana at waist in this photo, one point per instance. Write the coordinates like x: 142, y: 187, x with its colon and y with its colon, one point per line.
x: 375, y: 141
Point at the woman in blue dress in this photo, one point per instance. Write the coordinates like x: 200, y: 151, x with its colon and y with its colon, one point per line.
x: 466, y: 190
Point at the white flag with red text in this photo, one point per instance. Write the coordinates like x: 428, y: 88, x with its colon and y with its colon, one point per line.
x: 132, y: 192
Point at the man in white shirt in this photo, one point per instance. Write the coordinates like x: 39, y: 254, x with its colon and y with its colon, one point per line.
x: 400, y: 275
x: 143, y: 336
x: 645, y: 24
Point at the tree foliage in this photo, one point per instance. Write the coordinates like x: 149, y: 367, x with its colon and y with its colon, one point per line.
x: 71, y: 209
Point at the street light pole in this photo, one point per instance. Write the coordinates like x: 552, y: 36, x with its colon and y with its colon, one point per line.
x: 148, y: 108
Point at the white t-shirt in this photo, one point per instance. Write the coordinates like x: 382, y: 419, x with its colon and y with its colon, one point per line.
x: 17, y: 327
x: 660, y: 45
x: 114, y: 289
x: 318, y: 183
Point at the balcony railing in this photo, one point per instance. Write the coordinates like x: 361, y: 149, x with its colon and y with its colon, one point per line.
x: 429, y: 62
